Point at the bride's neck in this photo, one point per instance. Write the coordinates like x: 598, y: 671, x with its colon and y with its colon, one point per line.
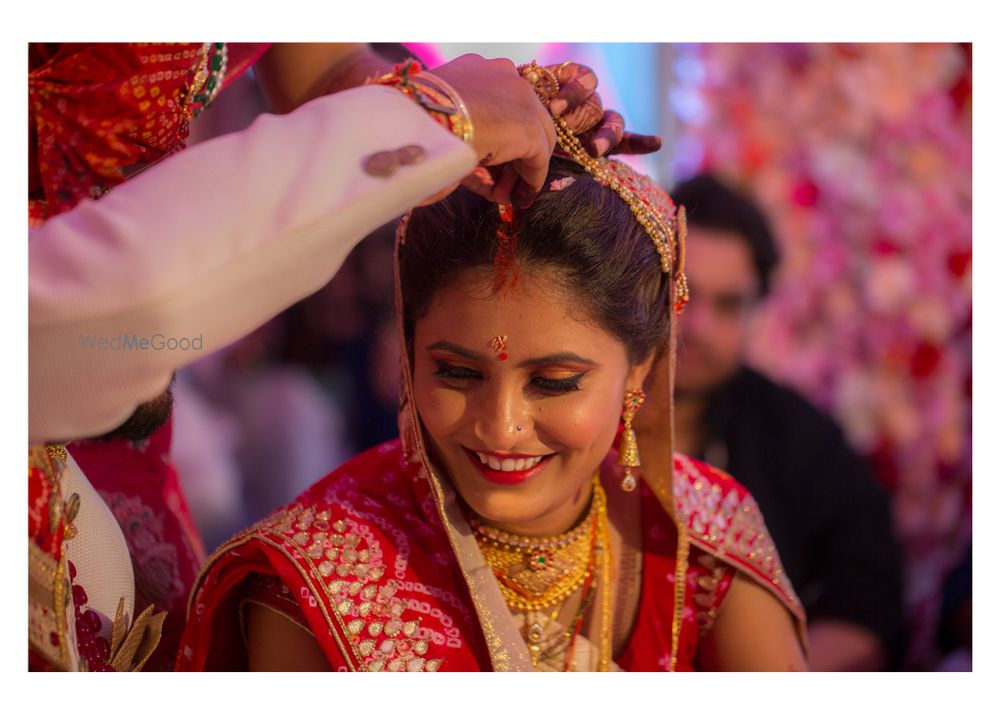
x: 564, y: 517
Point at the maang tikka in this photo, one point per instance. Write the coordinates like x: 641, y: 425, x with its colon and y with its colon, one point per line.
x: 628, y: 448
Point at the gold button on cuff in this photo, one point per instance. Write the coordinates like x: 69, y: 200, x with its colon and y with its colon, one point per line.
x: 382, y: 164
x: 411, y: 154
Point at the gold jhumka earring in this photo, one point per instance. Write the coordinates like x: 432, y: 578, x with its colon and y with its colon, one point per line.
x: 628, y: 450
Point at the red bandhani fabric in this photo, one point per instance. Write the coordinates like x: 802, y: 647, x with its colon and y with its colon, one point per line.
x: 96, y: 109
x: 363, y: 561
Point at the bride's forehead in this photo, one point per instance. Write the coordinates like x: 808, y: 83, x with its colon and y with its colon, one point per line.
x: 531, y: 294
x: 535, y: 312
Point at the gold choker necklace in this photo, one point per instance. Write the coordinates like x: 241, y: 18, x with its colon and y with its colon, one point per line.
x: 537, y: 573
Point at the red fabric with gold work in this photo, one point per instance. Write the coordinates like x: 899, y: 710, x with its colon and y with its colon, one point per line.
x: 367, y: 564
x: 45, y: 525
x: 49, y: 636
x: 96, y: 109
x: 708, y: 581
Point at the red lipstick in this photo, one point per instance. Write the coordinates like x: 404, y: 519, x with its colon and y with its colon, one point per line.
x: 507, y: 478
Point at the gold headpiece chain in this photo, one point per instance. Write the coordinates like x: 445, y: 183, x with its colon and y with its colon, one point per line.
x: 665, y: 225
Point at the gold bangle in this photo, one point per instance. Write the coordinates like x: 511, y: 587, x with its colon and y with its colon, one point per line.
x: 459, y: 119
x: 432, y: 94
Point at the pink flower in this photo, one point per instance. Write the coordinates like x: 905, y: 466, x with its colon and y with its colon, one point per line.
x: 560, y: 184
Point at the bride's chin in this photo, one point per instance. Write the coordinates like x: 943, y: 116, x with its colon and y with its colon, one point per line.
x: 515, y: 513
x: 500, y: 510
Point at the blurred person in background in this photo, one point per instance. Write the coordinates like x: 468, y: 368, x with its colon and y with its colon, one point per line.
x: 829, y: 517
x: 238, y: 420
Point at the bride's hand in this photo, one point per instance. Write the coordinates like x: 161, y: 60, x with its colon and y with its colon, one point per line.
x: 601, y: 131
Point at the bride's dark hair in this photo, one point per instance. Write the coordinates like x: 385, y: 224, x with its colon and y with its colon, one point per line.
x: 584, y: 231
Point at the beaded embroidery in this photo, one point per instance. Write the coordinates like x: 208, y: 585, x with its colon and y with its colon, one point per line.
x: 724, y: 520
x: 348, y: 566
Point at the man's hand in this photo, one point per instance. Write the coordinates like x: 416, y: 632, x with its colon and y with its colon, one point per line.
x: 514, y: 135
x: 513, y: 131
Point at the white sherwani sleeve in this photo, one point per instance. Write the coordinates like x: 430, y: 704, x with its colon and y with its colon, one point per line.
x: 210, y: 244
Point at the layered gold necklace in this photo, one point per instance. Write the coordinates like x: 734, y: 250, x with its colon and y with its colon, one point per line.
x: 535, y: 574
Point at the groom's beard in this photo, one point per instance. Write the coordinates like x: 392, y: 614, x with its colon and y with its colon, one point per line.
x: 145, y: 420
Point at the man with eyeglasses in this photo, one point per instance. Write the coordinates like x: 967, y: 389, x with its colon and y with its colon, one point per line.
x: 828, y: 516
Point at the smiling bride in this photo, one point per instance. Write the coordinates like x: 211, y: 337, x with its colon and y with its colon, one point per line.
x: 513, y: 525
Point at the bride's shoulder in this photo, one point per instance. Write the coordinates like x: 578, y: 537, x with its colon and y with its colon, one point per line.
x: 715, y: 506
x: 370, y: 493
x: 382, y: 468
x: 702, y: 489
x: 718, y: 510
x: 723, y: 519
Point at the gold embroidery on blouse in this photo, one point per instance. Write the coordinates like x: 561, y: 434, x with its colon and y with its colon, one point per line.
x: 364, y: 607
x: 732, y: 527
x: 70, y: 511
x: 708, y: 585
x: 131, y: 647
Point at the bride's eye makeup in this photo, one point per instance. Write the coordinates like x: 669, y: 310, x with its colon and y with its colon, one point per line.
x: 455, y: 373
x: 562, y: 385
x: 462, y: 376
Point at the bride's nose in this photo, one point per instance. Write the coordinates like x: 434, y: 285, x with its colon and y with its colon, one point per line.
x: 504, y: 418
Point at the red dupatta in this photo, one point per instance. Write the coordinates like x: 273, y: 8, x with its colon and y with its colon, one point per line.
x: 365, y: 559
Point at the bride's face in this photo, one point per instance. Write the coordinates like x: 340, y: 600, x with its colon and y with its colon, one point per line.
x: 521, y: 430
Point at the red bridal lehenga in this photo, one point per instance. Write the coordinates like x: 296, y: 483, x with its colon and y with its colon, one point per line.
x: 363, y: 561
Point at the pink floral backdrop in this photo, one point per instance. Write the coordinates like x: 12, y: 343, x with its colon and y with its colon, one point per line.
x: 862, y: 157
